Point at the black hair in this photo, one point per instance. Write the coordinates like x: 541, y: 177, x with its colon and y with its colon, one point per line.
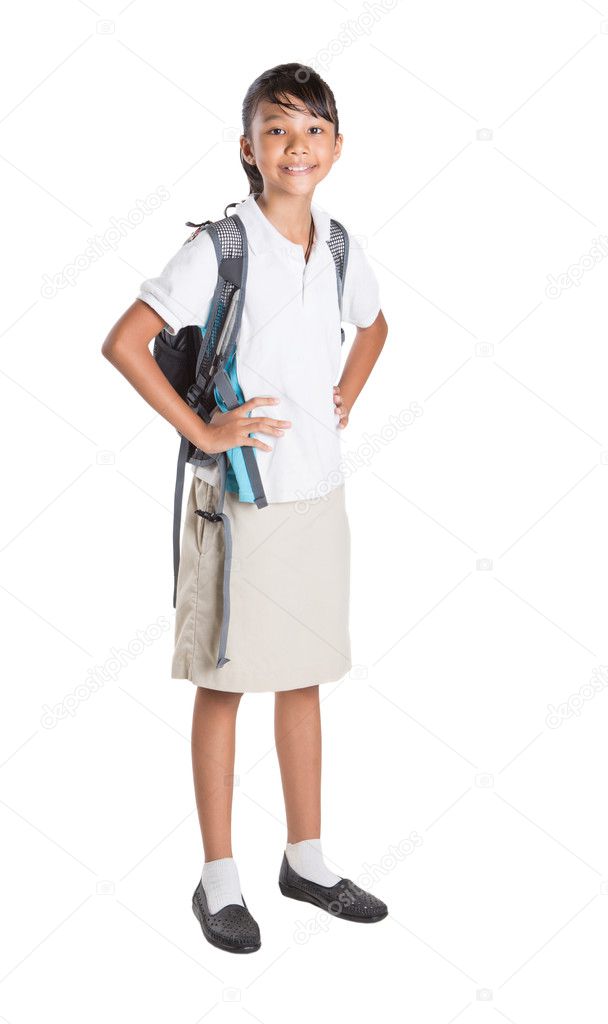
x: 273, y: 85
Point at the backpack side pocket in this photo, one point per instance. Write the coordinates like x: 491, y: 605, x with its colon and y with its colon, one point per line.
x: 177, y: 359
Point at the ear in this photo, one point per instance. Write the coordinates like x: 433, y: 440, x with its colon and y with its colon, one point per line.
x: 246, y: 149
x: 338, y: 147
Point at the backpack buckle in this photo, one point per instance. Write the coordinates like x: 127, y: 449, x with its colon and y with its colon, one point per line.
x: 193, y: 394
x: 213, y: 517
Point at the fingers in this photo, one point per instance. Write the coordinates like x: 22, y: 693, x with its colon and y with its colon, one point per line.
x: 252, y: 403
x: 340, y: 410
x: 267, y: 425
x: 259, y: 424
x: 254, y: 442
x: 262, y: 425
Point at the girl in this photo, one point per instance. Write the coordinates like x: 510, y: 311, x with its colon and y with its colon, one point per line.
x: 289, y: 586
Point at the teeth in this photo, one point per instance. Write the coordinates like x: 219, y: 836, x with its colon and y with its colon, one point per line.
x: 306, y: 168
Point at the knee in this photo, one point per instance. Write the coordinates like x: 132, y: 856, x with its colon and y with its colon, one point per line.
x: 299, y: 694
x: 220, y: 698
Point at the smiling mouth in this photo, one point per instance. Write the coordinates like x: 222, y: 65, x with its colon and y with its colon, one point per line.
x: 296, y: 169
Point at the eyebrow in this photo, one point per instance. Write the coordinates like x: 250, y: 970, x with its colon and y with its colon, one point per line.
x: 279, y: 117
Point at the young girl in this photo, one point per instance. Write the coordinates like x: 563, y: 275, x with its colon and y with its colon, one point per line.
x: 290, y: 566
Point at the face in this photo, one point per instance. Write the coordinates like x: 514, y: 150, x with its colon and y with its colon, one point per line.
x: 284, y: 140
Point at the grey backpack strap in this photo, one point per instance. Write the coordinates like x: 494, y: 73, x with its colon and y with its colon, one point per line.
x: 182, y: 458
x: 217, y: 516
x: 230, y: 242
x: 193, y: 395
x: 338, y: 245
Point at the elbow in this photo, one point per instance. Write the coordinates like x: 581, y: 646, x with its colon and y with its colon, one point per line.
x: 113, y: 345
x: 108, y: 350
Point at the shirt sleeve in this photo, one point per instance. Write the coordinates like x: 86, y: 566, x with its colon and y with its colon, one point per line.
x: 183, y: 292
x: 361, y: 295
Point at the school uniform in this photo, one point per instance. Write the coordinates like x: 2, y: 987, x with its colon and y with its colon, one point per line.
x: 290, y: 571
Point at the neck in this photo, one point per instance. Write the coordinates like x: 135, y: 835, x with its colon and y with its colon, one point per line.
x: 291, y: 215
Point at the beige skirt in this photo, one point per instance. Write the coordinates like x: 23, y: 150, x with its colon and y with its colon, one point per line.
x: 289, y: 593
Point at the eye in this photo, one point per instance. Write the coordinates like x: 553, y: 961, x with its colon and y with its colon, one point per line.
x: 314, y: 127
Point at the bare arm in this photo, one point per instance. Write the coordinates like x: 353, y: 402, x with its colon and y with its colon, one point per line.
x: 127, y: 348
x: 364, y: 352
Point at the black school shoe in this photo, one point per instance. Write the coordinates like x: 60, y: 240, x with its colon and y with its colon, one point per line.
x: 344, y: 899
x: 232, y: 928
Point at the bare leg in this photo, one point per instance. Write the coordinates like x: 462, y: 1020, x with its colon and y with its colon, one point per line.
x: 213, y: 737
x: 297, y: 731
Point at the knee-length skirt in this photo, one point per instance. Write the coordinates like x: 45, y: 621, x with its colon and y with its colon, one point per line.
x: 289, y: 593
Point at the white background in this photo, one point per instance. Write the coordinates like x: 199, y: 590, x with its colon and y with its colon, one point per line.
x: 478, y: 532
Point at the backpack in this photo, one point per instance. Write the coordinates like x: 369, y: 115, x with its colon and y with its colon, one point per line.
x: 200, y: 364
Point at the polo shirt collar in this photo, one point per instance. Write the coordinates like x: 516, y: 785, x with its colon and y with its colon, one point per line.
x: 264, y: 237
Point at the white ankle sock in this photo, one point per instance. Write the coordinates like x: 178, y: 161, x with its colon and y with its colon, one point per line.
x: 306, y: 858
x: 220, y: 880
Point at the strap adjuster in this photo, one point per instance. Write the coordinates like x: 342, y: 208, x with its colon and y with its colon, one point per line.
x: 193, y: 394
x: 213, y: 517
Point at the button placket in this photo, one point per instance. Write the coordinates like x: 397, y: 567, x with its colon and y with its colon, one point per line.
x: 306, y: 266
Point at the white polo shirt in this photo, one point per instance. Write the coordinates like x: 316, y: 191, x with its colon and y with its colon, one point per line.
x: 289, y: 340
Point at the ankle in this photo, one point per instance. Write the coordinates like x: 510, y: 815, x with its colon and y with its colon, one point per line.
x: 217, y: 853
x: 306, y: 858
x: 220, y: 879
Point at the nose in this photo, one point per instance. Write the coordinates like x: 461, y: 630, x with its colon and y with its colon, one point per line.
x: 298, y: 145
